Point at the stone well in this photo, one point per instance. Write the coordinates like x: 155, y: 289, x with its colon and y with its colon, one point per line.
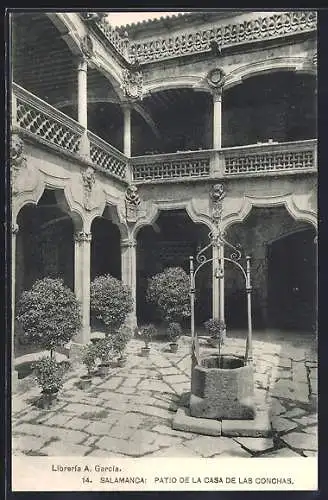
x: 222, y: 390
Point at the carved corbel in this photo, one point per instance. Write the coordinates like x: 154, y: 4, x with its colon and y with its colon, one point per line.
x: 89, y: 179
x: 132, y: 203
x: 215, y: 80
x: 132, y: 84
x: 86, y: 46
x: 18, y: 160
x: 217, y: 196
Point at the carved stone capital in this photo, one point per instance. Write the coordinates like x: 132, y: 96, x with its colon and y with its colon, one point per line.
x: 215, y: 78
x: 132, y: 203
x: 128, y: 243
x: 18, y: 160
x: 82, y: 237
x: 132, y: 84
x: 88, y: 179
x: 87, y: 46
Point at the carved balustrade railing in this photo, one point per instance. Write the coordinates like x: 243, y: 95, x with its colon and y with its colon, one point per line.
x: 259, y: 159
x: 47, y: 124
x: 272, y: 26
x: 107, y: 157
x: 118, y: 41
x: 170, y: 166
x: 38, y: 118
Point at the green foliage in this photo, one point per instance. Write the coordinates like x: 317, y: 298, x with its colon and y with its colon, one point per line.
x: 120, y: 339
x: 216, y: 329
x: 147, y: 333
x: 174, y: 331
x: 49, y: 374
x: 89, y: 355
x: 110, y: 301
x: 169, y: 291
x: 103, y: 349
x: 49, y: 313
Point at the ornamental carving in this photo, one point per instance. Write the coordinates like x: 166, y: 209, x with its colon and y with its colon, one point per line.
x: 89, y: 179
x: 87, y: 46
x: 82, y: 237
x: 132, y: 84
x: 224, y: 35
x: 93, y: 16
x: 215, y: 78
x: 18, y: 160
x: 217, y: 197
x: 132, y: 203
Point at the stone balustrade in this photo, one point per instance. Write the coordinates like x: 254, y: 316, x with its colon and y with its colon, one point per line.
x: 280, y: 24
x: 40, y: 120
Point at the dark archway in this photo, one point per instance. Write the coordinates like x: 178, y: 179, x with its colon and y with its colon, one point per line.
x: 291, y: 283
x: 280, y: 261
x: 169, y: 243
x: 105, y: 248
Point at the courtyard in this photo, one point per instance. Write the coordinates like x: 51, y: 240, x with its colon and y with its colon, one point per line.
x: 129, y: 412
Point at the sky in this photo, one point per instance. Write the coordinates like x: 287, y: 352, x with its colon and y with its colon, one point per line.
x: 122, y: 18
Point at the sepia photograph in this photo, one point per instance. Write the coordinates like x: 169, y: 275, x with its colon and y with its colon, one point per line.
x: 163, y: 200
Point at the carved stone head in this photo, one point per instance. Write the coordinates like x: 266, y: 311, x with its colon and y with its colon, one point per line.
x: 217, y: 193
x: 132, y: 196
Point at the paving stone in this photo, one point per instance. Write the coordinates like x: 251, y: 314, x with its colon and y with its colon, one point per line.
x: 132, y: 420
x: 295, y: 412
x: 96, y: 452
x: 256, y: 444
x: 281, y: 424
x: 207, y: 446
x: 64, y: 449
x: 285, y: 362
x: 311, y: 429
x: 79, y: 408
x: 176, y: 379
x: 152, y: 410
x: 175, y: 452
x: 259, y: 427
x: 282, y: 389
x: 57, y: 419
x: 125, y: 447
x: 27, y: 443
x: 99, y: 428
x: 112, y: 383
x: 125, y: 390
x: 301, y: 440
x: 141, y: 435
x: 155, y: 385
x: 121, y: 431
x: 77, y: 423
x: 307, y: 419
x: 301, y: 392
x: 131, y: 382
x: 184, y: 422
x: 170, y: 371
x: 162, y: 429
x: 50, y: 432
x: 310, y: 453
x: 276, y: 407
x: 282, y: 452
x: 164, y: 440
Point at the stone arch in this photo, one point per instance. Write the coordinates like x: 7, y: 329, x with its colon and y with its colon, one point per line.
x: 157, y: 206
x: 285, y: 63
x: 195, y: 82
x: 289, y: 201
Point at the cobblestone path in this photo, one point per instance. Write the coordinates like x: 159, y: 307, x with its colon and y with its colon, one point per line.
x: 129, y: 413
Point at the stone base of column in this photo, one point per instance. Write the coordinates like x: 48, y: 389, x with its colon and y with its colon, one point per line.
x: 14, y: 381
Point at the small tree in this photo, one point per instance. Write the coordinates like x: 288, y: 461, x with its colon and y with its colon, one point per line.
x: 89, y: 356
x: 216, y: 329
x: 110, y: 301
x: 174, y: 331
x: 147, y: 333
x: 120, y: 339
x: 49, y: 314
x: 169, y: 291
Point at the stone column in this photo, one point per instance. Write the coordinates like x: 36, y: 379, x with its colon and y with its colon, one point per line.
x: 14, y: 231
x: 129, y: 274
x: 127, y: 129
x: 221, y: 284
x: 82, y: 282
x: 82, y: 104
x: 217, y: 118
x: 215, y: 281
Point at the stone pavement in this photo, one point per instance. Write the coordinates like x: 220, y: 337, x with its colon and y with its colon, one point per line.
x: 129, y: 413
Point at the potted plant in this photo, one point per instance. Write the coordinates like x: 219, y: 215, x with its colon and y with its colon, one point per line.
x: 89, y: 355
x: 119, y: 342
x: 174, y: 332
x: 147, y: 332
x: 49, y: 314
x: 170, y: 292
x: 103, y: 350
x: 49, y: 376
x: 110, y: 301
x: 216, y: 329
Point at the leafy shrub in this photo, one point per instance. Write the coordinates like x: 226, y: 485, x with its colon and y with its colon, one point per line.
x: 216, y: 329
x: 103, y: 350
x: 120, y: 339
x: 49, y: 314
x: 49, y: 374
x: 169, y: 291
x: 89, y: 355
x: 174, y: 331
x: 147, y: 333
x: 110, y: 301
